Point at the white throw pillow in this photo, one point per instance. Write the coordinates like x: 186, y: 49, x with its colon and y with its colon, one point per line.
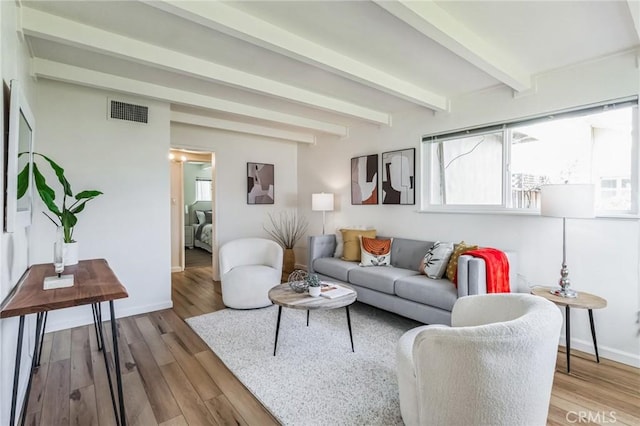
x: 339, y: 251
x: 374, y: 252
x: 434, y: 264
x: 200, y: 216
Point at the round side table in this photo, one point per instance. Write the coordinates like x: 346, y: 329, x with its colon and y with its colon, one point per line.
x: 582, y: 301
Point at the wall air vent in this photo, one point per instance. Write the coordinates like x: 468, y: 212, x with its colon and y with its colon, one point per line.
x: 129, y: 112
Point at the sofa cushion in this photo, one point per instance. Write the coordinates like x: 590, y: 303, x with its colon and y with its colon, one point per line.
x: 375, y: 252
x: 333, y: 267
x: 438, y: 293
x: 379, y: 278
x: 351, y: 243
x: 408, y: 254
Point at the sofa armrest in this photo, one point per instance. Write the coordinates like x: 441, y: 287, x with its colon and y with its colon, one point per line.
x: 320, y: 246
x: 472, y: 274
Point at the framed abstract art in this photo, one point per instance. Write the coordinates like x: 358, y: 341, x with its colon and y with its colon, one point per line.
x: 364, y: 180
x: 260, y: 183
x: 398, y: 177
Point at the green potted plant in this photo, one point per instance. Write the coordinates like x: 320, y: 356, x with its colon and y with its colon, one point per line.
x: 314, y: 285
x: 65, y: 215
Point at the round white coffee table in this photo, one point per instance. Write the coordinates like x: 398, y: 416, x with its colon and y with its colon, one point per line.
x: 283, y: 296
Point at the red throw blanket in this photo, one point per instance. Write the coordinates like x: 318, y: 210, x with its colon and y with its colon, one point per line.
x: 497, y: 269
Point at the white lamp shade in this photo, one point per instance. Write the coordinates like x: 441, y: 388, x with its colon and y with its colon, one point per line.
x: 567, y: 200
x: 322, y: 202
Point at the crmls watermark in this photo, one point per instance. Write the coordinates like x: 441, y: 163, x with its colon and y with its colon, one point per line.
x: 599, y: 417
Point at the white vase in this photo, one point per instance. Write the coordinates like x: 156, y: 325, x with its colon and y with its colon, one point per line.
x: 314, y: 291
x: 70, y: 253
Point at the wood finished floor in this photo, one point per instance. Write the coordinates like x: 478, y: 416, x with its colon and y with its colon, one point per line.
x: 172, y: 378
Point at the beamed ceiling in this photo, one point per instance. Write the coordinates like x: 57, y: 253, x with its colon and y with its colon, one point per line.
x: 295, y: 70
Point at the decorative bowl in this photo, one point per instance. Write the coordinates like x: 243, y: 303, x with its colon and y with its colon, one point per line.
x: 299, y: 286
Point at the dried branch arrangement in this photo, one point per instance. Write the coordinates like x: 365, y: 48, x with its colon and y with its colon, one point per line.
x: 286, y: 228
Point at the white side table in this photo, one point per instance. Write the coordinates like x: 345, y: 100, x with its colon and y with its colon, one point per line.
x: 582, y: 301
x: 188, y: 236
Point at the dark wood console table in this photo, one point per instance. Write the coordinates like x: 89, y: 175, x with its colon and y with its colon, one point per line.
x: 94, y: 282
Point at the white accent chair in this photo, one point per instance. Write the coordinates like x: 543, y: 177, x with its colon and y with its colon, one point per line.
x: 249, y: 268
x: 493, y: 366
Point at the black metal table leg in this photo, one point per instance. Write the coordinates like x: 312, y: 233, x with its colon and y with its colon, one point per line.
x: 94, y: 309
x: 34, y: 361
x: 275, y: 345
x: 593, y: 334
x: 44, y: 327
x: 16, y: 373
x: 349, y: 324
x: 567, y: 336
x: 114, y: 332
x: 308, y: 312
x: 106, y: 362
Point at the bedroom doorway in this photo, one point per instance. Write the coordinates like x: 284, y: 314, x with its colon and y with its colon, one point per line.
x: 193, y: 195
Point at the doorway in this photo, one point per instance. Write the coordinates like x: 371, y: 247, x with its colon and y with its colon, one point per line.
x: 194, y: 236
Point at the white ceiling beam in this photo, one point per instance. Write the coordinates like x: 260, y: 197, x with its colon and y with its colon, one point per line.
x: 50, y: 27
x: 229, y: 20
x: 236, y: 127
x: 434, y: 22
x: 634, y: 9
x: 68, y: 73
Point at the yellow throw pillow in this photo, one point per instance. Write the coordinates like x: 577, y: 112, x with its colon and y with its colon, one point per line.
x: 351, y: 240
x: 452, y: 267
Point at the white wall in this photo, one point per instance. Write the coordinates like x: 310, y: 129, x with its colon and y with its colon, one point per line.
x: 236, y: 218
x: 603, y: 254
x: 129, y: 225
x: 13, y: 247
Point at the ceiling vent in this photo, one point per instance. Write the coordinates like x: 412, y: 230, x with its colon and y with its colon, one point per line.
x: 129, y: 112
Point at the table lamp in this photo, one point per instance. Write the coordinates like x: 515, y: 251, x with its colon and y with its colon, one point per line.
x: 322, y: 202
x: 567, y: 201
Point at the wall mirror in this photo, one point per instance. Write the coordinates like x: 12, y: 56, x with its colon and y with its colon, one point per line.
x: 19, y: 187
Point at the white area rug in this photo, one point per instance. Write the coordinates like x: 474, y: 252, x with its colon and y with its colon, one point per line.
x: 314, y: 379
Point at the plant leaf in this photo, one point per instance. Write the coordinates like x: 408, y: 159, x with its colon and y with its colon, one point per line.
x: 79, y: 208
x: 66, y: 186
x: 47, y: 194
x: 87, y: 194
x: 23, y: 181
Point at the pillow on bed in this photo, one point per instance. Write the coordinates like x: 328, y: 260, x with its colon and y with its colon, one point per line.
x: 208, y: 216
x: 200, y: 217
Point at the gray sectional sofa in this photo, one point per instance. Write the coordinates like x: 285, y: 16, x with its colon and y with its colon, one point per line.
x: 401, y: 288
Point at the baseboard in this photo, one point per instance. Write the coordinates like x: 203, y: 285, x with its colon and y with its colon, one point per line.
x: 177, y: 269
x: 604, y: 352
x: 88, y: 318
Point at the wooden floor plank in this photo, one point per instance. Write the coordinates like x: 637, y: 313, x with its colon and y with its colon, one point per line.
x: 101, y: 386
x: 138, y: 408
x: 163, y: 404
x: 61, y: 345
x: 81, y: 368
x: 192, y: 406
x: 201, y: 381
x: 159, y: 350
x: 83, y: 410
x: 55, y: 402
x: 224, y: 412
x: 176, y: 421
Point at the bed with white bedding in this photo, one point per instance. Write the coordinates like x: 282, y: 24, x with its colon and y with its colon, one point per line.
x: 200, y: 216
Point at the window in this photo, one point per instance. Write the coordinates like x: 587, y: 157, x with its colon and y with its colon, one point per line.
x: 203, y: 189
x: 504, y: 166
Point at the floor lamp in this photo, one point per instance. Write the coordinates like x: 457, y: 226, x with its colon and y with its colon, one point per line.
x: 322, y: 202
x: 567, y: 201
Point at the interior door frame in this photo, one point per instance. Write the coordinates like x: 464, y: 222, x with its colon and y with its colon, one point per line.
x: 214, y: 207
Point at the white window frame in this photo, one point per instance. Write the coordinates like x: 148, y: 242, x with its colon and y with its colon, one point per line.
x: 426, y: 158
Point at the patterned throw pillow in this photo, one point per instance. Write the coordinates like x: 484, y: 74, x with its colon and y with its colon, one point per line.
x: 452, y: 267
x: 375, y: 252
x: 435, y: 262
x: 351, y: 244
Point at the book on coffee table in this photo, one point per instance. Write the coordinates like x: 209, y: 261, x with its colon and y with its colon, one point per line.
x: 331, y: 291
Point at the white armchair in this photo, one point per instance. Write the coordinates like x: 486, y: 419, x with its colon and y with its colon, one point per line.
x: 493, y: 366
x: 249, y: 268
